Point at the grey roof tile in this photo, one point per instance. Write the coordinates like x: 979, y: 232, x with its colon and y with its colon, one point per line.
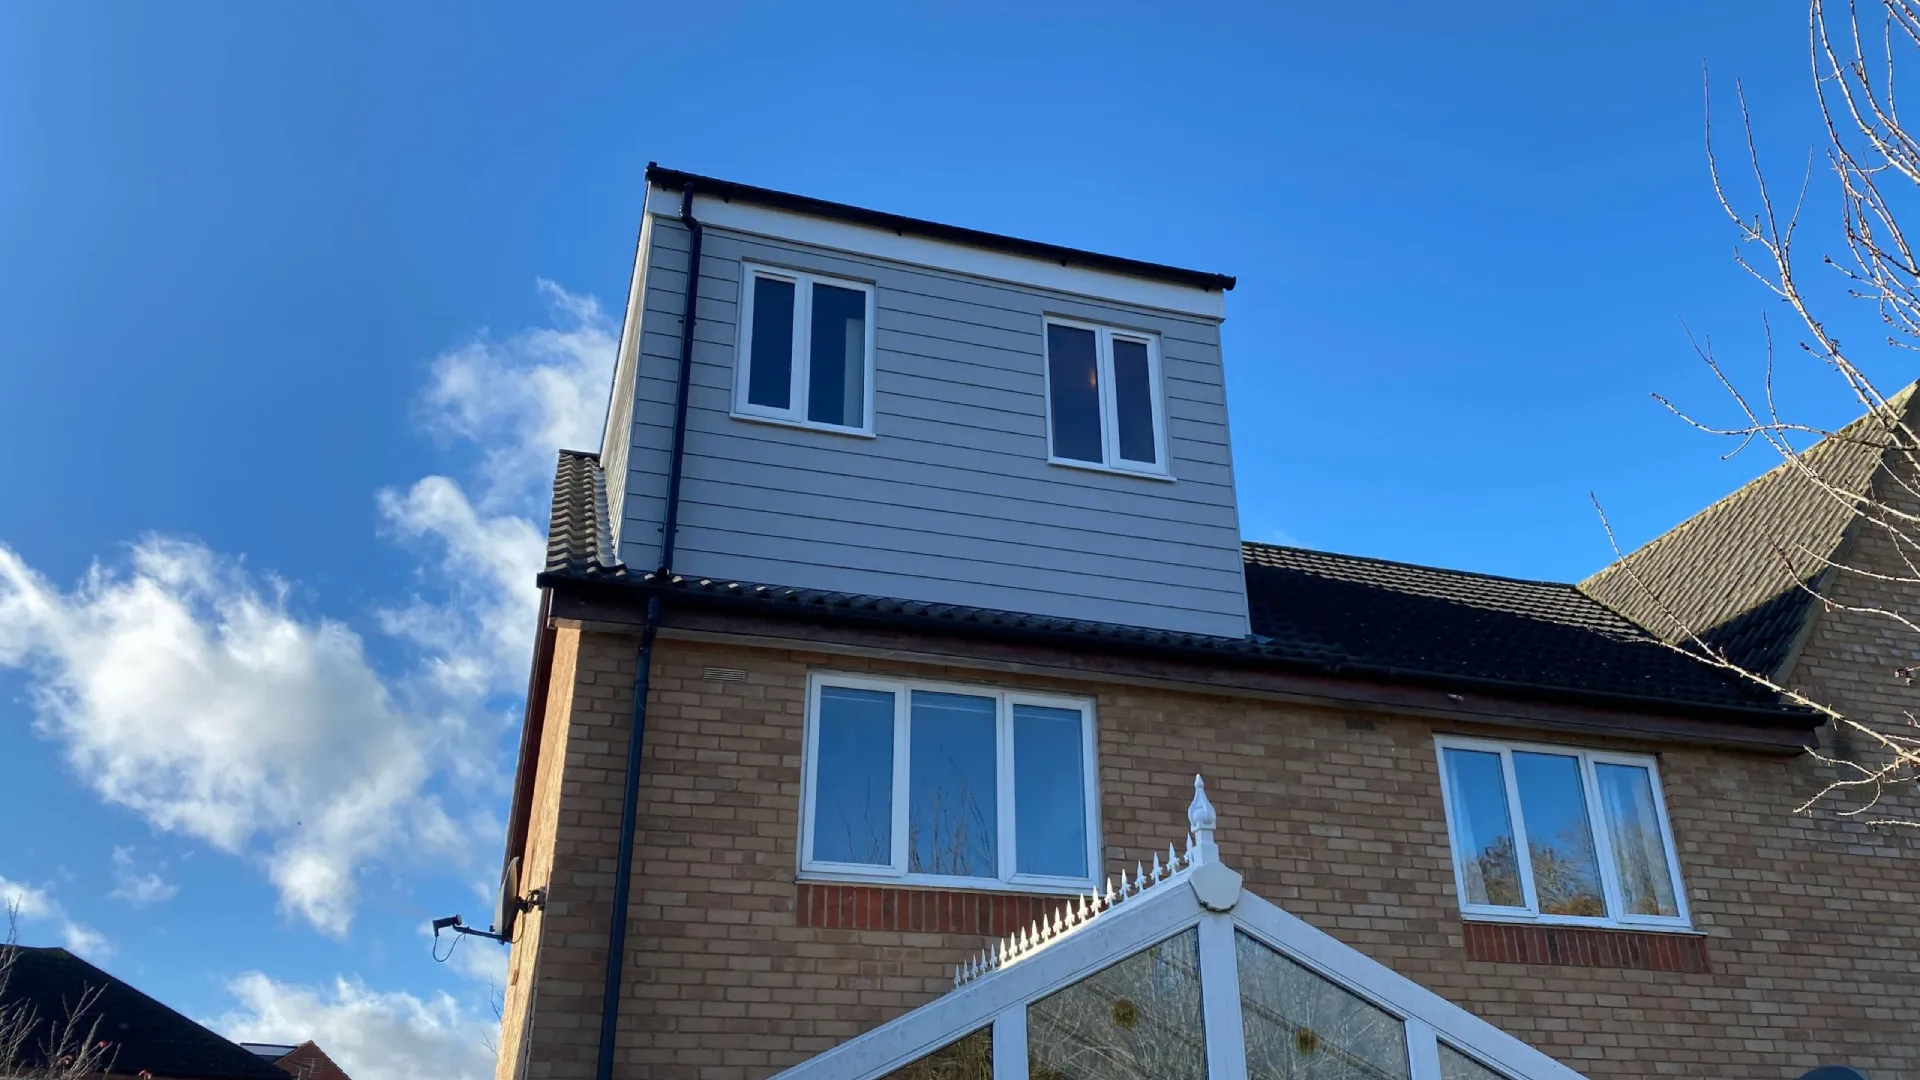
x: 1720, y: 573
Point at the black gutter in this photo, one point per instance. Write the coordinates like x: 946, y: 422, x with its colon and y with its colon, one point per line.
x: 1007, y: 627
x: 643, y: 659
x: 934, y: 230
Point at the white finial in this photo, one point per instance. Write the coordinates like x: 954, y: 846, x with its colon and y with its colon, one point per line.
x: 1202, y: 818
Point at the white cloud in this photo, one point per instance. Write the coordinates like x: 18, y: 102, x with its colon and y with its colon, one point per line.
x: 371, y: 1034
x: 185, y: 686
x: 479, y: 639
x: 482, y: 961
x: 134, y: 887
x: 529, y: 395
x: 34, y: 905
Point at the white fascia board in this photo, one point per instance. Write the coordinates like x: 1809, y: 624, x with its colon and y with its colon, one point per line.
x: 921, y: 251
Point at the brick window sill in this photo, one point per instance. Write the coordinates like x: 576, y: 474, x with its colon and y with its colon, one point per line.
x: 834, y: 906
x: 1576, y: 946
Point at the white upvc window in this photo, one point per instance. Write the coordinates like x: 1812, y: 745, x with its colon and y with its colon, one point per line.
x: 805, y: 350
x: 1105, y: 405
x: 1553, y: 834
x: 937, y: 784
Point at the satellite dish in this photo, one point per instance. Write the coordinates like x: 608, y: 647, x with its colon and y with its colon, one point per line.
x: 1835, y: 1072
x: 506, y: 906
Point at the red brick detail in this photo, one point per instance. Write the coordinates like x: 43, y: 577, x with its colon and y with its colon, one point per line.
x: 928, y: 911
x: 1564, y: 946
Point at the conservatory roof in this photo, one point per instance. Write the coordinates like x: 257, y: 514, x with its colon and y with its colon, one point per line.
x: 1178, y: 973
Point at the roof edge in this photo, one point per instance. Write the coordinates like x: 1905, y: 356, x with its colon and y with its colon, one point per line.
x: 1243, y: 651
x: 675, y: 179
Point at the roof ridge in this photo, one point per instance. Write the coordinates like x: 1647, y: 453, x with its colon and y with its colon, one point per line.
x: 1378, y: 561
x: 1899, y: 400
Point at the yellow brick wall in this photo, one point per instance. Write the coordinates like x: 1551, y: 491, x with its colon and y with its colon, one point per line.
x: 1333, y: 815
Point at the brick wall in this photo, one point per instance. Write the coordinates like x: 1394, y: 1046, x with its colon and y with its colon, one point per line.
x: 1851, y: 659
x: 1333, y: 815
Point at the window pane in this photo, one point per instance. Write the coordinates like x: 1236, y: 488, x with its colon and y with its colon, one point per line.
x: 952, y: 815
x: 968, y: 1058
x: 1073, y: 383
x: 1133, y: 401
x: 1482, y: 826
x: 853, y: 777
x: 837, y: 358
x: 770, y: 373
x: 1455, y: 1065
x: 1300, y: 1026
x: 1639, y: 849
x: 1049, y: 791
x: 1137, y: 1020
x: 1553, y: 803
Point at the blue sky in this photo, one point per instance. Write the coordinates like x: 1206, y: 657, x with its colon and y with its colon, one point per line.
x: 295, y: 301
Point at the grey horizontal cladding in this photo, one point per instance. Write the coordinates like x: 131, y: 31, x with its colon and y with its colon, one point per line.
x: 964, y: 523
x: 774, y: 445
x: 961, y: 512
x: 928, y: 416
x: 953, y: 500
x: 845, y: 541
x: 927, y: 337
x: 759, y: 450
x: 861, y: 580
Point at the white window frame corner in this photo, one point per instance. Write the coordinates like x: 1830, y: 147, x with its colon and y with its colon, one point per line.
x: 1585, y: 759
x: 1006, y: 853
x: 1111, y: 461
x: 795, y: 415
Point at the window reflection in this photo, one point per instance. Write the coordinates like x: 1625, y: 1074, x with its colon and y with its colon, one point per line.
x: 952, y: 815
x: 1300, y: 1026
x: 966, y: 1058
x: 1553, y: 803
x: 1455, y: 1065
x: 1137, y: 1020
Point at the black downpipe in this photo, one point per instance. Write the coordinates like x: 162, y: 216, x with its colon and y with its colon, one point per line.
x: 643, y: 661
x: 672, y: 523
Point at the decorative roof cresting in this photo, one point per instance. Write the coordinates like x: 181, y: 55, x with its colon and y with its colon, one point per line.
x: 1198, y: 865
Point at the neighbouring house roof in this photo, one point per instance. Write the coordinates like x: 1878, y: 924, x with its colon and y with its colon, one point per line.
x: 675, y: 180
x: 305, y: 1061
x: 1740, y: 572
x: 147, y: 1035
x: 1332, y: 614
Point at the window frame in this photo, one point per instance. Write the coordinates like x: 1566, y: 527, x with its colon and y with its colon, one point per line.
x: 795, y: 415
x: 1617, y: 917
x: 1111, y: 461
x: 1007, y: 837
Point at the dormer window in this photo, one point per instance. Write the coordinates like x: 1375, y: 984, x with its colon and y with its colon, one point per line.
x: 805, y: 350
x: 1104, y: 406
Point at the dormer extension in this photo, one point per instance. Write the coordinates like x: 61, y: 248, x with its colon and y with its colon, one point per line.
x: 885, y: 406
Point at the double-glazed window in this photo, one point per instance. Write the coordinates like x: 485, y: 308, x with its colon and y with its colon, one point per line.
x: 952, y: 785
x: 806, y: 350
x: 1559, y: 835
x: 1103, y: 398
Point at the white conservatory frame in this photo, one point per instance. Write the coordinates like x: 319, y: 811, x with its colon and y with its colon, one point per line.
x: 1192, y: 890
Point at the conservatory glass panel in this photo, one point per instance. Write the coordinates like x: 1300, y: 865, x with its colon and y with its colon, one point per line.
x: 1137, y: 1020
x: 967, y: 1058
x: 1455, y: 1065
x: 1300, y: 1026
